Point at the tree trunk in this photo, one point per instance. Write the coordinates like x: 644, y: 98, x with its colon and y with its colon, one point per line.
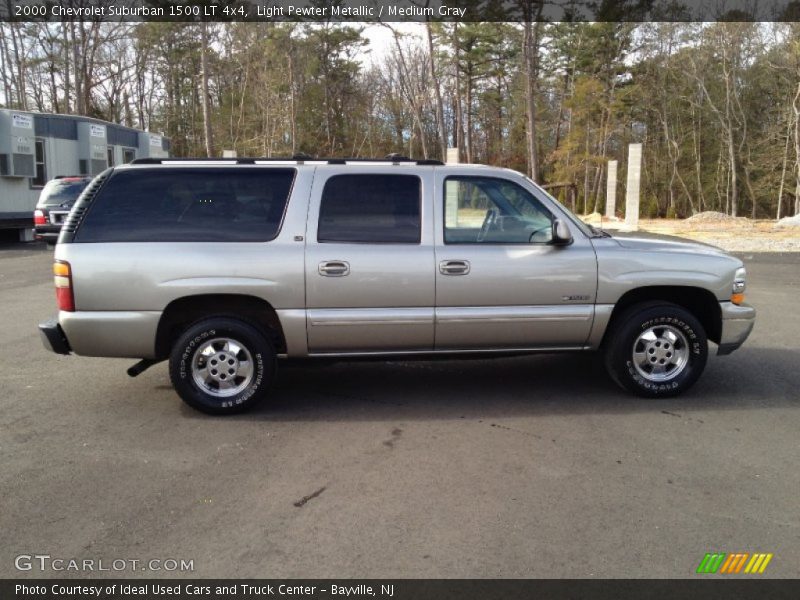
x: 438, y: 92
x: 796, y: 107
x: 292, y: 107
x: 76, y: 70
x: 468, y: 120
x: 732, y: 190
x: 530, y: 48
x: 19, y: 63
x: 8, y: 77
x: 204, y: 86
x: 459, y: 116
x: 784, y: 164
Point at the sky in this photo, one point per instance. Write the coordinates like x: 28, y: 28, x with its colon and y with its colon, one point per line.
x: 380, y: 38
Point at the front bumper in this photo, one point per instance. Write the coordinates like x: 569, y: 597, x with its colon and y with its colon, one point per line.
x: 737, y: 323
x: 53, y: 337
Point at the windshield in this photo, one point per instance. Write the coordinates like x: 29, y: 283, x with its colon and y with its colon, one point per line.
x: 586, y: 229
x: 60, y: 191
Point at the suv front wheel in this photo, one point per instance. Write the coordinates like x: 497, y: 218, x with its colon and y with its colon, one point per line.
x: 222, y: 365
x: 656, y: 349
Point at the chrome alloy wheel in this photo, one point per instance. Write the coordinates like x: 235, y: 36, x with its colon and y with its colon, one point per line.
x: 222, y: 367
x: 660, y: 353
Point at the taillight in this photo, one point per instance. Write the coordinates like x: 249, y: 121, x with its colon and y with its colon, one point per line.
x: 39, y: 218
x: 63, y: 280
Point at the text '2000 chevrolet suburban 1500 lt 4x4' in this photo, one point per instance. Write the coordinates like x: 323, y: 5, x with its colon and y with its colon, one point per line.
x: 222, y: 267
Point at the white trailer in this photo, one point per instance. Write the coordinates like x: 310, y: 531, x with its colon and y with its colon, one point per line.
x: 37, y: 147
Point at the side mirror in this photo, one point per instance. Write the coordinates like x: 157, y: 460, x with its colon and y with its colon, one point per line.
x: 562, y: 236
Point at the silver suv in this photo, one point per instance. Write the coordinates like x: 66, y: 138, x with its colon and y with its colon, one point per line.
x: 222, y: 267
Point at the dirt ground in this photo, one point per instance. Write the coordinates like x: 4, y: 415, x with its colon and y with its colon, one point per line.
x: 732, y: 234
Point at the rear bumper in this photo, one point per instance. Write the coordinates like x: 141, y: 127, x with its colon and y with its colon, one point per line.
x: 53, y: 337
x: 48, y: 233
x: 119, y: 334
x: 737, y: 323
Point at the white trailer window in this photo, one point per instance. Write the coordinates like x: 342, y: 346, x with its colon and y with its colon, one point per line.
x: 41, y: 171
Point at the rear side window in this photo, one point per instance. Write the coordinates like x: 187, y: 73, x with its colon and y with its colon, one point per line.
x: 376, y: 209
x: 189, y: 205
x: 61, y: 191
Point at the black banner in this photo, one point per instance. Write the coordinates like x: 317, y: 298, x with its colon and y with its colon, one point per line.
x: 400, y: 589
x: 400, y: 10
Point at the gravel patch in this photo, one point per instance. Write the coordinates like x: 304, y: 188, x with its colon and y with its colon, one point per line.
x: 789, y: 222
x: 710, y: 215
x: 745, y: 244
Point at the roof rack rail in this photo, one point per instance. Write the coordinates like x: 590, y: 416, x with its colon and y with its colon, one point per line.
x: 301, y: 158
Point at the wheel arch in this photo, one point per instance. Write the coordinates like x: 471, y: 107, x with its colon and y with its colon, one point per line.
x: 182, y: 312
x: 698, y: 301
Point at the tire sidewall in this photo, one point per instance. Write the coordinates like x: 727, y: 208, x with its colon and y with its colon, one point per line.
x: 248, y: 336
x: 638, y: 322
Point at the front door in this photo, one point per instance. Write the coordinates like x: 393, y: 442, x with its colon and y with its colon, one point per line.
x: 369, y: 261
x: 500, y: 281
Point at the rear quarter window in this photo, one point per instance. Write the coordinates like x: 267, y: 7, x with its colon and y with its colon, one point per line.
x: 189, y: 205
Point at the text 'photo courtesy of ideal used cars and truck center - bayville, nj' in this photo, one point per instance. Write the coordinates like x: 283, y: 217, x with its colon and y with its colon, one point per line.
x: 377, y: 299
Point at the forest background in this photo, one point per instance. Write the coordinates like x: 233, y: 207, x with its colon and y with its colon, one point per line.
x: 716, y: 105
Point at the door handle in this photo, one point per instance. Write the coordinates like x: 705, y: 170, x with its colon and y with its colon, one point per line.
x: 454, y: 267
x: 334, y: 268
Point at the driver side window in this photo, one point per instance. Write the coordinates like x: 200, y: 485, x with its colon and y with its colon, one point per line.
x: 488, y: 210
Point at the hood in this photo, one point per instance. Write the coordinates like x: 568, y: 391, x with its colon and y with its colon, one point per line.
x: 653, y: 242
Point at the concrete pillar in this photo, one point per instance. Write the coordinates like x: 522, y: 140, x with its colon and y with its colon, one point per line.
x: 451, y: 192
x: 451, y: 203
x: 611, y: 189
x: 632, y: 192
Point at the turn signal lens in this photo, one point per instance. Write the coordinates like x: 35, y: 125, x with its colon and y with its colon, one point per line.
x: 62, y: 277
x: 39, y: 218
x: 737, y: 298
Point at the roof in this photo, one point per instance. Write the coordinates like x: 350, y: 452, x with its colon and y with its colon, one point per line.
x: 296, y: 159
x: 80, y: 118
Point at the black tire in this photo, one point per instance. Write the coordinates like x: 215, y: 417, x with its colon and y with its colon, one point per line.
x: 244, y: 391
x: 670, y: 331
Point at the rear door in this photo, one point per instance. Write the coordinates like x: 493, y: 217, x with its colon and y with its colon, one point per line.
x: 369, y: 260
x: 500, y: 282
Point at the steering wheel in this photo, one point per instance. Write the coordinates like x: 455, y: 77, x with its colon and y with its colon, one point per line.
x: 488, y: 222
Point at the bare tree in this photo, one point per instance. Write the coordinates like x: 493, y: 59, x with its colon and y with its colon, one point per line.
x: 206, y: 99
x: 532, y: 13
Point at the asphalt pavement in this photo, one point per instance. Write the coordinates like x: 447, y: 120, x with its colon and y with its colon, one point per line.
x: 521, y: 467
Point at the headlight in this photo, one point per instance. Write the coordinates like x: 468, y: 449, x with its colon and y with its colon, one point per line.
x: 739, y: 284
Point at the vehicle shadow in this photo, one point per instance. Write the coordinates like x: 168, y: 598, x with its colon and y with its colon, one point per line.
x: 751, y: 378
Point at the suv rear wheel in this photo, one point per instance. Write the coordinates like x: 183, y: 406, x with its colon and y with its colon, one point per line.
x: 656, y: 349
x: 222, y: 365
